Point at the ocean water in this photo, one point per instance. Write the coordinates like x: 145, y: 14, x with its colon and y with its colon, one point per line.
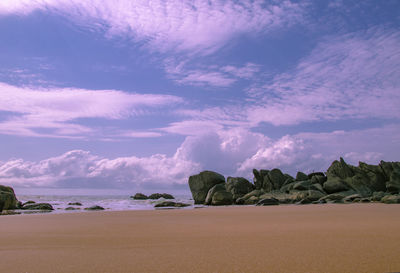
x: 108, y: 202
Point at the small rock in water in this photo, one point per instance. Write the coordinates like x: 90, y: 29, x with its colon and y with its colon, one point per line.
x: 72, y: 208
x: 74, y: 204
x: 95, y: 208
x: 28, y: 202
x: 161, y: 195
x: 171, y: 204
x: 38, y: 206
x: 140, y: 196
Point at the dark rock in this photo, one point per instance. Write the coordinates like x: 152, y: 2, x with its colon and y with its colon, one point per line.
x: 268, y: 202
x: 238, y: 186
x: 288, y: 187
x: 256, y: 193
x: 252, y: 200
x: 212, y: 191
x: 377, y: 196
x: 352, y: 197
x: 318, y: 179
x: 393, y: 185
x: 300, y: 176
x: 304, y: 201
x: 171, y: 204
x: 277, y: 178
x: 201, y: 183
x: 95, y: 208
x: 239, y: 201
x: 258, y: 180
x: 334, y: 184
x: 360, y: 183
x: 302, y: 185
x: 160, y: 195
x: 267, y: 184
x: 314, y: 195
x: 365, y: 200
x: 7, y: 196
x: 72, y: 208
x: 311, y: 175
x: 1, y: 205
x: 38, y: 206
x: 340, y: 169
x: 221, y: 198
x: 140, y: 196
x: 391, y: 199
x: 75, y: 204
x: 338, y: 195
x: 28, y: 202
x: 376, y: 177
x: 285, y: 198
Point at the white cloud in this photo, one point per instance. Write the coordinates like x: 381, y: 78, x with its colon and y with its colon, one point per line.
x: 80, y: 168
x: 56, y: 109
x: 351, y: 76
x: 230, y: 152
x: 202, y: 26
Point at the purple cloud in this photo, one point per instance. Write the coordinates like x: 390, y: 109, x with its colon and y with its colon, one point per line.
x: 57, y: 108
x: 202, y: 26
x: 351, y: 76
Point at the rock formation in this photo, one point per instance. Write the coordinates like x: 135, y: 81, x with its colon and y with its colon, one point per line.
x: 8, y: 200
x: 342, y: 183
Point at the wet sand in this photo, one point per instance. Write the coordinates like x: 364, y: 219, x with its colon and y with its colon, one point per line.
x: 308, y: 238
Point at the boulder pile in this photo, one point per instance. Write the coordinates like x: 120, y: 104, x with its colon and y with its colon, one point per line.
x: 341, y: 183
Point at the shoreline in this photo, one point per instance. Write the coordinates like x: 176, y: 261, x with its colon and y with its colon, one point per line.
x: 301, y: 238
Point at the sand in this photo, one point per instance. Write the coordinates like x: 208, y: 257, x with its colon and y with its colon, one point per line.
x: 308, y: 238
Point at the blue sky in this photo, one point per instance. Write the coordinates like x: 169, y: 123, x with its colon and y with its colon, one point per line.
x: 141, y: 94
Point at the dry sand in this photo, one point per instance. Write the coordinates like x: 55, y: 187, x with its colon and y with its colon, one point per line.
x: 308, y: 238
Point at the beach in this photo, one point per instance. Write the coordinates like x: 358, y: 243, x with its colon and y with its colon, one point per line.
x: 284, y: 238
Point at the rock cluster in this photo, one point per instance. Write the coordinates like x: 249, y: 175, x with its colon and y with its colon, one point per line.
x: 141, y: 196
x: 341, y: 183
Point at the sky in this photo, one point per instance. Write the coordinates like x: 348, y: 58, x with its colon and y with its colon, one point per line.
x: 138, y: 95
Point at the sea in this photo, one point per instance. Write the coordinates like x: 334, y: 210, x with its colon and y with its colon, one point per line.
x: 108, y: 202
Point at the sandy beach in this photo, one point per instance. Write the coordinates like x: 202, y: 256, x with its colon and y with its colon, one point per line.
x: 309, y: 238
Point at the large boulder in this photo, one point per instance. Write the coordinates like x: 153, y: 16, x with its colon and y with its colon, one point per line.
x: 212, y: 191
x: 335, y: 184
x: 375, y: 175
x: 238, y: 186
x: 8, y: 198
x: 340, y: 169
x: 300, y: 176
x: 258, y: 180
x: 393, y: 185
x: 221, y: 198
x: 201, y: 183
x: 277, y: 178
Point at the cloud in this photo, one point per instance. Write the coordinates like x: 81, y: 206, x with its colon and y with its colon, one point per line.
x: 163, y: 25
x: 230, y: 152
x: 82, y: 169
x: 212, y: 75
x: 350, y: 76
x: 57, y: 109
